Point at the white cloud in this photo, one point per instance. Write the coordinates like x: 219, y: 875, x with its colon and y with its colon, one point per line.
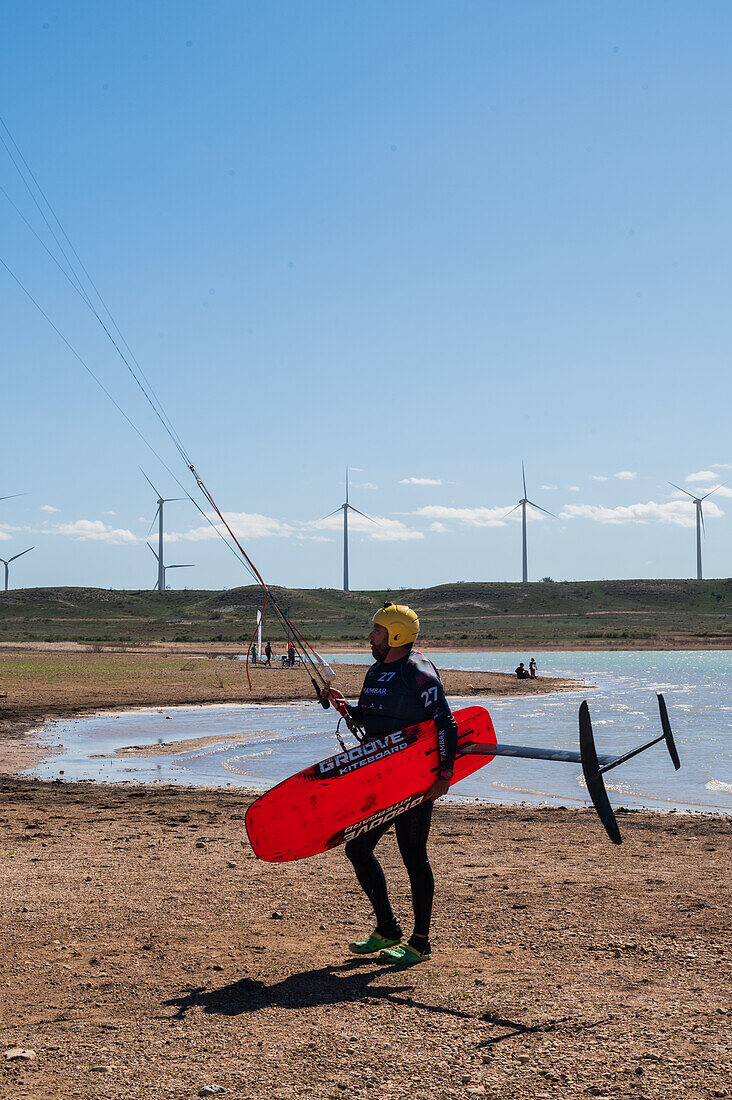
x: 245, y: 525
x: 253, y: 525
x: 600, y: 477
x: 721, y: 466
x: 626, y: 475
x: 549, y: 488
x: 380, y: 530
x: 7, y: 530
x: 94, y: 529
x: 49, y: 508
x: 700, y: 477
x: 573, y: 488
x: 365, y: 485
x: 110, y: 513
x: 722, y: 491
x: 4, y: 537
x: 680, y: 513
x: 472, y: 517
x: 421, y: 481
x: 439, y: 528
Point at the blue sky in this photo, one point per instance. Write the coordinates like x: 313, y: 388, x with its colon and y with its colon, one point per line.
x: 429, y: 240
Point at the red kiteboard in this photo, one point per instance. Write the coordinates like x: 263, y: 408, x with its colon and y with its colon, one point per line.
x: 354, y: 791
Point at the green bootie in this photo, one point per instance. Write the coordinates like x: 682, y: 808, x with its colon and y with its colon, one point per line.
x: 406, y: 955
x: 375, y: 942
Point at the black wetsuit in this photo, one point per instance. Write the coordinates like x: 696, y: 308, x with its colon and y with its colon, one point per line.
x: 394, y: 696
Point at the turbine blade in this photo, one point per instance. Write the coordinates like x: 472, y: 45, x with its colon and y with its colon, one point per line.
x: 681, y: 490
x: 352, y: 509
x: 153, y: 521
x: 539, y: 507
x: 330, y: 513
x: 179, y: 567
x: 523, y: 475
x: 512, y: 511
x: 167, y: 500
x: 720, y: 486
x: 152, y: 551
x: 701, y: 516
x: 147, y: 479
x: 11, y: 495
x: 20, y: 555
x: 346, y: 484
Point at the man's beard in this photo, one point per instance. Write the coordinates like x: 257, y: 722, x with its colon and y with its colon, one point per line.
x: 378, y: 653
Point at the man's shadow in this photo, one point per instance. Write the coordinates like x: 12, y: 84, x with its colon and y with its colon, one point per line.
x: 348, y: 983
x: 329, y: 985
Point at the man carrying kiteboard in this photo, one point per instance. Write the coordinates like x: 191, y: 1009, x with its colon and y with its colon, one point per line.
x: 402, y: 688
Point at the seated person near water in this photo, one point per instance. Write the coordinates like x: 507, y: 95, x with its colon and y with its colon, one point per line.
x: 522, y: 673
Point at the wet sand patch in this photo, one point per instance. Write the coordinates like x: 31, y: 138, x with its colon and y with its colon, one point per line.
x: 174, y: 748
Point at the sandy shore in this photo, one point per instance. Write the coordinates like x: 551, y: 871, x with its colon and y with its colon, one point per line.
x: 147, y: 953
x: 45, y: 682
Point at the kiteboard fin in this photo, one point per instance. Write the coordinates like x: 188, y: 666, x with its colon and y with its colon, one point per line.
x: 593, y: 775
x: 666, y: 727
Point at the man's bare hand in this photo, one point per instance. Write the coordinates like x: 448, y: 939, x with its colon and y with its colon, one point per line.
x: 438, y: 788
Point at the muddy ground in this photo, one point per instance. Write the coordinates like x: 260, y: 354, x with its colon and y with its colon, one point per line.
x: 147, y: 953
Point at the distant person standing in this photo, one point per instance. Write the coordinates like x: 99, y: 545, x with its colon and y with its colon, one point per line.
x: 290, y: 655
x: 254, y: 654
x: 532, y: 668
x: 268, y: 655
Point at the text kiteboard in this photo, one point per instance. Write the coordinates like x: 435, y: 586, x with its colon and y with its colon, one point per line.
x: 353, y: 791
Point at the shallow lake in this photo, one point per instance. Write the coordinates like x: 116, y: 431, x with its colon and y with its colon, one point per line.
x: 263, y: 744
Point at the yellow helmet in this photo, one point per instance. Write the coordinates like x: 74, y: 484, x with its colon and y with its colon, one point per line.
x: 399, y: 621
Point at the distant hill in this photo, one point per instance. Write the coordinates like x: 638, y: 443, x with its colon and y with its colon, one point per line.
x: 591, y: 614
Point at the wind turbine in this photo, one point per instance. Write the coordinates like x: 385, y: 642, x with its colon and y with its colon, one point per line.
x: 165, y: 568
x: 7, y: 563
x: 522, y: 505
x: 346, y: 507
x: 699, y: 522
x: 160, y: 586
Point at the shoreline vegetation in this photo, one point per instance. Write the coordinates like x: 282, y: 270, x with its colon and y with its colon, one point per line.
x: 632, y: 614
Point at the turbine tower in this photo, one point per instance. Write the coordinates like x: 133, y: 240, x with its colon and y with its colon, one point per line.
x: 522, y: 505
x: 699, y: 522
x: 165, y: 569
x: 7, y: 563
x: 346, y: 507
x: 160, y: 586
